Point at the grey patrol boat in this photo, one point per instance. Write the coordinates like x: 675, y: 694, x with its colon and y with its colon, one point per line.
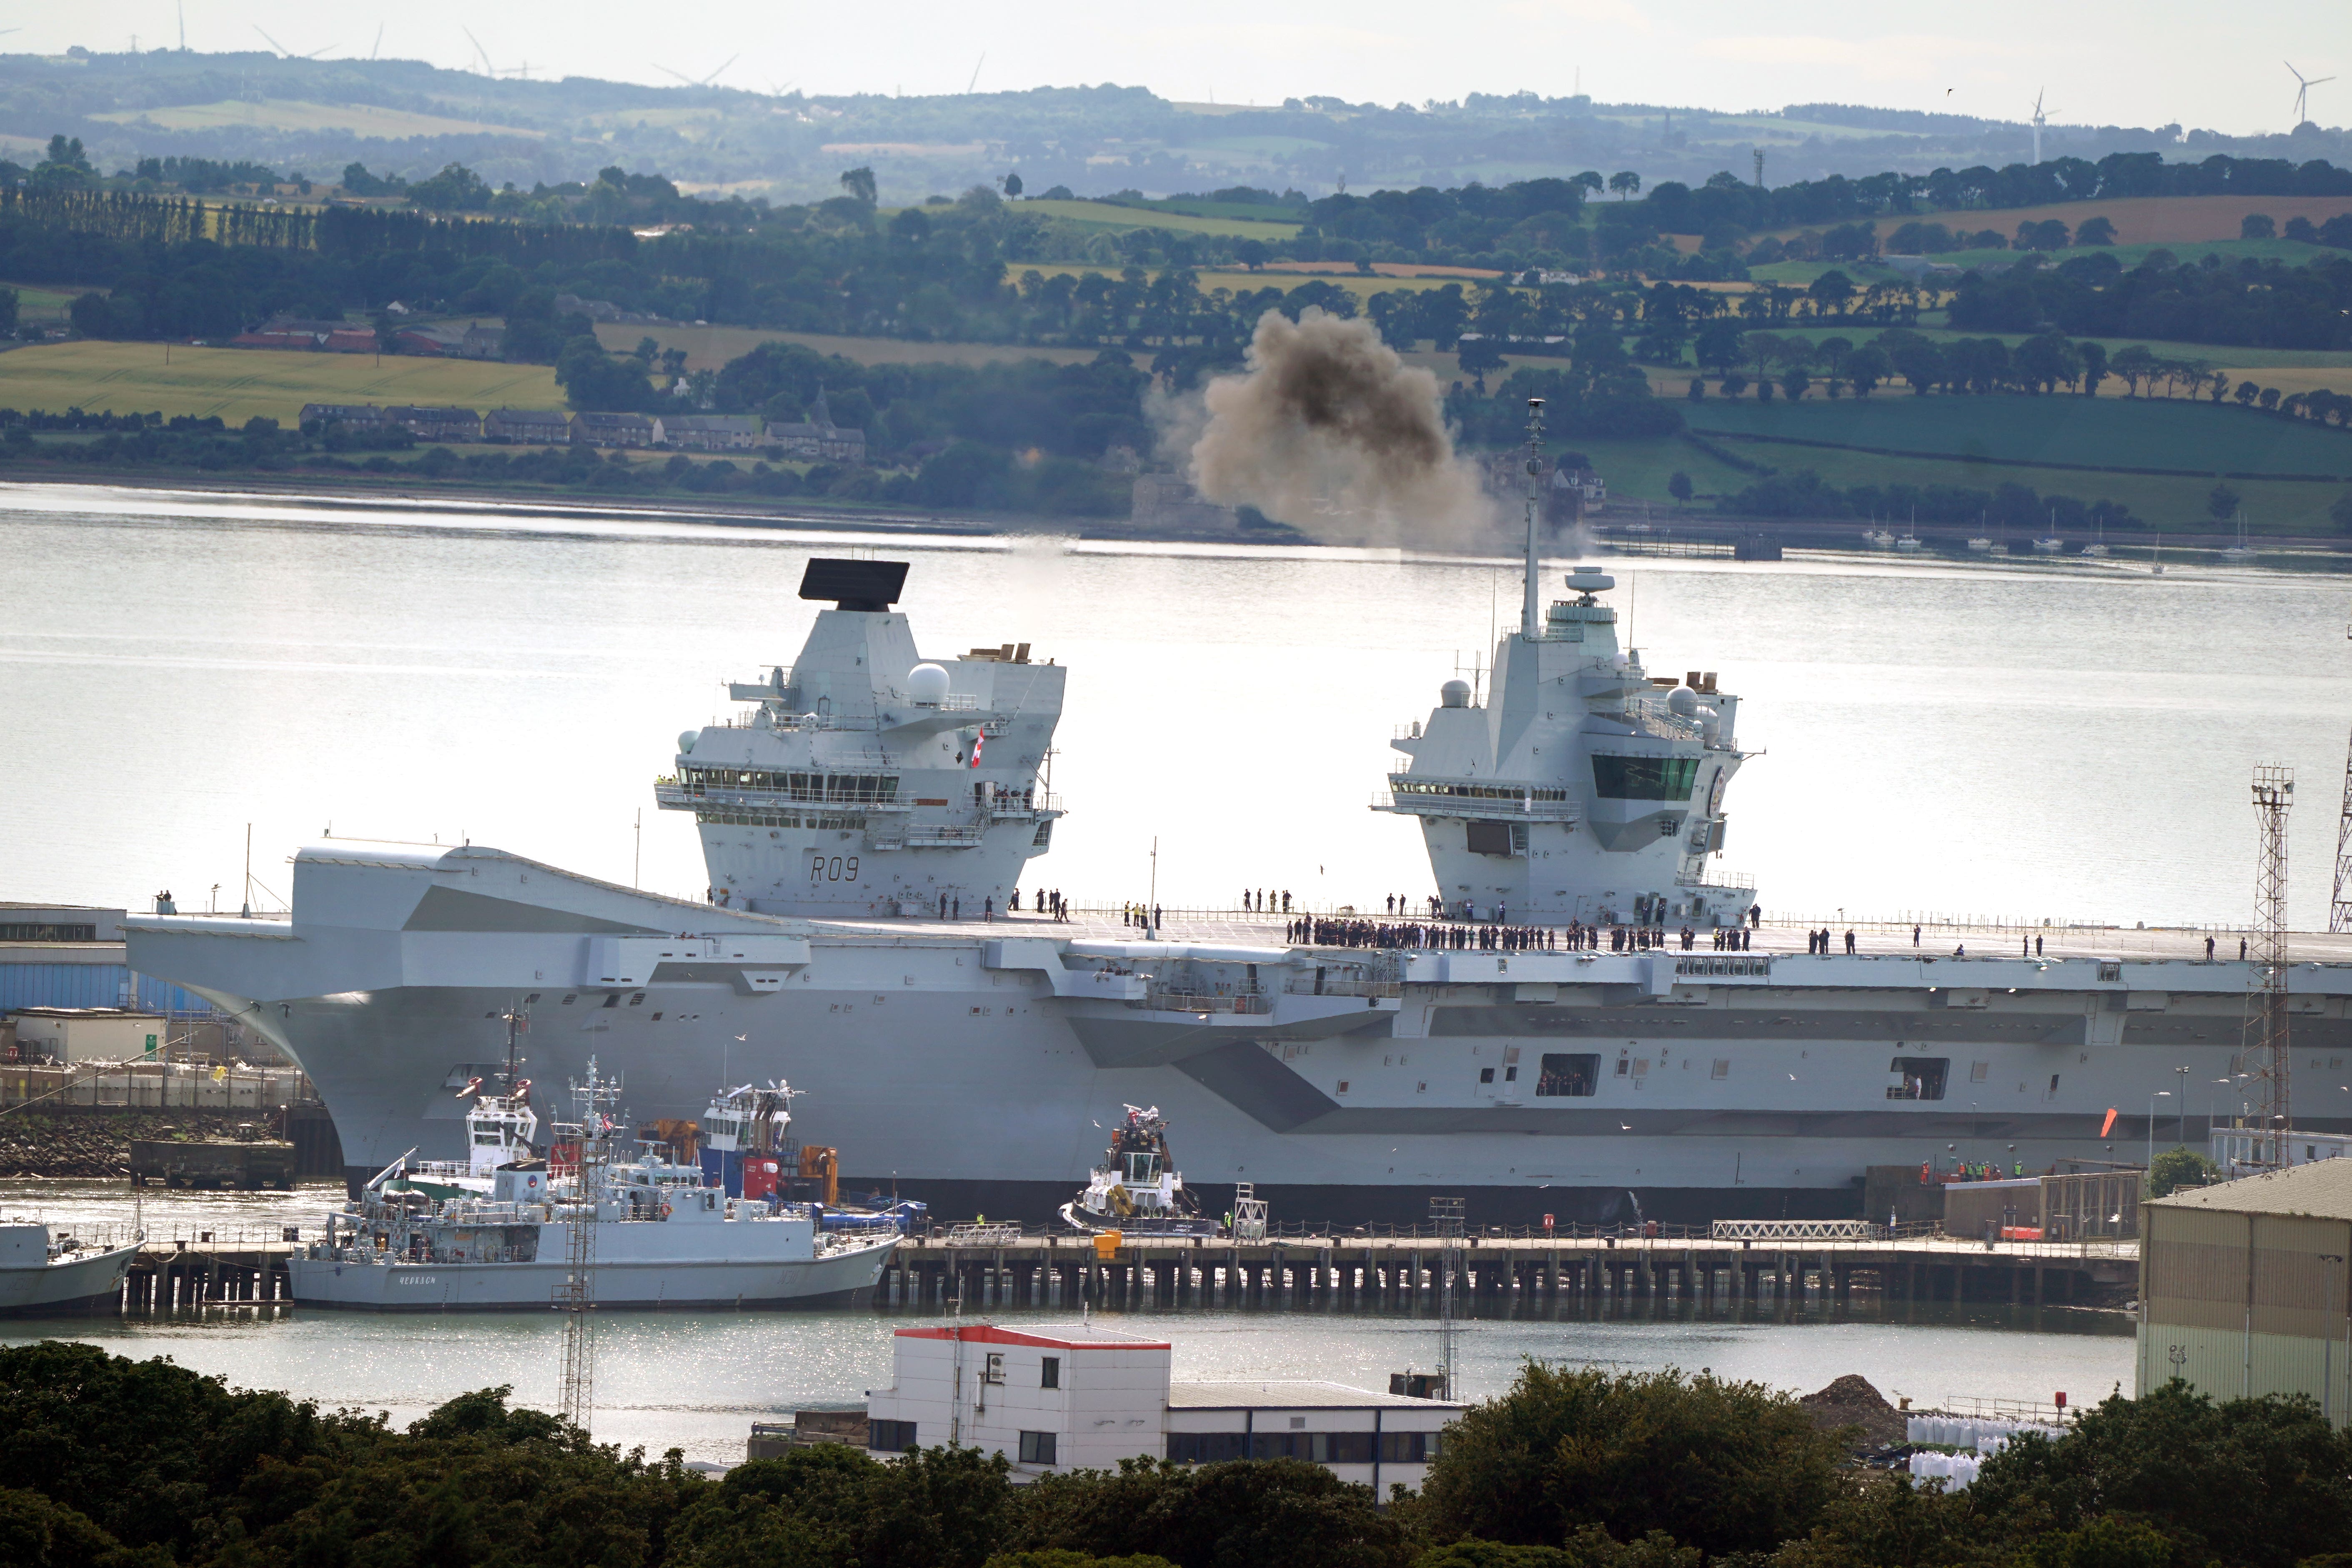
x: 661, y: 1237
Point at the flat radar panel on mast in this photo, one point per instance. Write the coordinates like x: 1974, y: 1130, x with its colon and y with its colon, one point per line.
x: 854, y: 585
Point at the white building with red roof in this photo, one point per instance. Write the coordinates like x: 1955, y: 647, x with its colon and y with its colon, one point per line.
x: 1069, y: 1397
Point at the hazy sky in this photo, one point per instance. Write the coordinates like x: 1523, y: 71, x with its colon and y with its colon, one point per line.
x: 2143, y: 62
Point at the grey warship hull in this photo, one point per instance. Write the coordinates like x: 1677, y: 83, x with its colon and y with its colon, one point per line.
x: 972, y: 1065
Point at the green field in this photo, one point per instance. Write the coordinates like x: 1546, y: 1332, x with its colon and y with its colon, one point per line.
x: 2320, y: 362
x: 33, y: 301
x: 1108, y: 215
x: 237, y: 384
x: 1637, y: 472
x: 2113, y: 433
x: 708, y: 348
x: 284, y: 114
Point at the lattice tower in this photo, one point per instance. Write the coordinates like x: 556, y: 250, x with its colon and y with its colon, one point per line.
x: 1445, y: 1213
x: 576, y: 1297
x: 2266, y: 1038
x: 2339, y: 905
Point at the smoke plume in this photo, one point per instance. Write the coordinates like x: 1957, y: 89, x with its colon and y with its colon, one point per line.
x: 1329, y: 431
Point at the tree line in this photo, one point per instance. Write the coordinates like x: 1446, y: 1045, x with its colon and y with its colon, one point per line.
x: 122, y: 1464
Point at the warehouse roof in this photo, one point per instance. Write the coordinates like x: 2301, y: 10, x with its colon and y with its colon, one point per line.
x: 2323, y: 1188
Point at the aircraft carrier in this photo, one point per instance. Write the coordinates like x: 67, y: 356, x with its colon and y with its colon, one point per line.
x: 867, y: 818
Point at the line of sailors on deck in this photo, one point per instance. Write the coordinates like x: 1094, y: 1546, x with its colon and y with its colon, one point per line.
x: 1576, y: 937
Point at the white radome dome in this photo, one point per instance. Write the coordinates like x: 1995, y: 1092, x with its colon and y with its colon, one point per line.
x: 928, y: 683
x: 1683, y: 703
x: 686, y: 739
x: 1455, y: 694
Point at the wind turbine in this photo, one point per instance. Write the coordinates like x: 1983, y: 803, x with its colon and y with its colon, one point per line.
x: 703, y: 81
x: 2039, y: 120
x: 483, y: 54
x: 288, y: 53
x: 2303, y: 87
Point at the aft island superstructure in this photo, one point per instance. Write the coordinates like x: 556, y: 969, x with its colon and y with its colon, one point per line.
x: 1583, y: 788
x: 974, y: 1064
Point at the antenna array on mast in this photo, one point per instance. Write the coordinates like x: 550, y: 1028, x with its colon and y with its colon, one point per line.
x: 1531, y: 607
x: 2339, y: 899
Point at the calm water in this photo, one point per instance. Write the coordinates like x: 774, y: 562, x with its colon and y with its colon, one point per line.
x: 698, y: 1382
x: 2037, y: 739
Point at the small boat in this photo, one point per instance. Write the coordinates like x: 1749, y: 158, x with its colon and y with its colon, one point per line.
x: 1982, y: 546
x: 1879, y: 539
x: 2158, y: 569
x: 499, y: 1131
x: 1137, y: 1190
x: 2098, y: 545
x: 2050, y: 546
x: 1998, y: 548
x: 2238, y: 555
x: 1909, y: 544
x: 40, y: 1272
x: 743, y: 1137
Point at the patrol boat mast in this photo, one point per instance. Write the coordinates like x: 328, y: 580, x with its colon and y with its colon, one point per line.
x: 1583, y: 789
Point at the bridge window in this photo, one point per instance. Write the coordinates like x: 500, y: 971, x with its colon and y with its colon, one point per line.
x: 1571, y: 1074
x: 1644, y: 778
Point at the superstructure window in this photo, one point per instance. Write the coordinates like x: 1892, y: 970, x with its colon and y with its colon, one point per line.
x: 1405, y: 783
x: 1572, y: 1074
x: 777, y: 819
x: 1644, y: 778
x: 850, y: 789
x: 1923, y: 1078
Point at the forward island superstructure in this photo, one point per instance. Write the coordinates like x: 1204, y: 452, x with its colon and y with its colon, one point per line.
x: 974, y: 1064
x: 866, y: 779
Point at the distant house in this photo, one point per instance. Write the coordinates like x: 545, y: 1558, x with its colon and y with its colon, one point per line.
x: 712, y: 432
x: 437, y: 424
x: 351, y: 415
x: 820, y: 440
x: 540, y: 426
x: 631, y: 430
x: 425, y: 340
x: 308, y: 337
x: 450, y: 341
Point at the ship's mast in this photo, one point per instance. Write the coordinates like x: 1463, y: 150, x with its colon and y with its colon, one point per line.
x: 1531, y: 610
